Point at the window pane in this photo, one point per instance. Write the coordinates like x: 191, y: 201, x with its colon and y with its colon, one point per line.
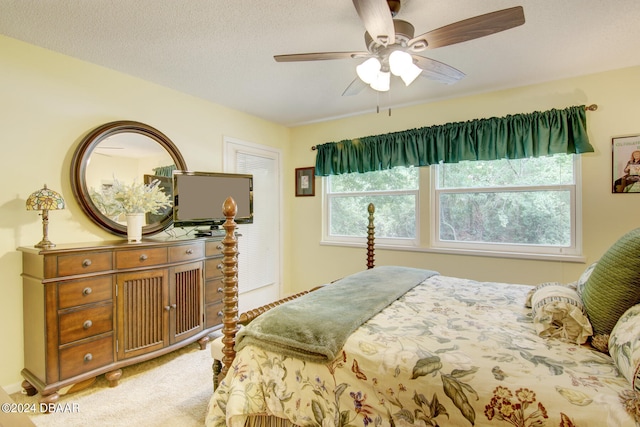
x: 392, y: 179
x: 395, y: 216
x: 530, y: 217
x: 553, y: 170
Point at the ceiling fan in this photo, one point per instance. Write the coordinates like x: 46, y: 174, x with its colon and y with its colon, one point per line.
x: 392, y: 47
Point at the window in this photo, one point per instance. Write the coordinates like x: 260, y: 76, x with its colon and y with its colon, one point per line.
x: 525, y: 205
x: 395, y: 195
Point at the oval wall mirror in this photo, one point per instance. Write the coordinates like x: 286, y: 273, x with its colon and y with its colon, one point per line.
x: 129, y: 152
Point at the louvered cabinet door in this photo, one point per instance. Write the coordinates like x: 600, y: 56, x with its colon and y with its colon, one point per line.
x: 143, y: 312
x: 186, y: 300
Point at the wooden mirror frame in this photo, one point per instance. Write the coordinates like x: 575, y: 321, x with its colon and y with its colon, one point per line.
x: 80, y: 162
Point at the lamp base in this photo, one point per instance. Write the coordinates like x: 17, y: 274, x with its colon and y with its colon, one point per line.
x: 45, y: 244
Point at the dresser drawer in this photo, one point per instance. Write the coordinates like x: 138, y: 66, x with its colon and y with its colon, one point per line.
x: 87, y: 291
x: 141, y: 257
x: 214, y: 315
x: 76, y: 325
x: 213, y: 268
x: 213, y: 248
x: 85, y: 357
x: 186, y: 252
x: 213, y: 291
x: 92, y: 262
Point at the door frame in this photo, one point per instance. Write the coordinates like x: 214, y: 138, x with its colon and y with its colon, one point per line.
x: 230, y: 147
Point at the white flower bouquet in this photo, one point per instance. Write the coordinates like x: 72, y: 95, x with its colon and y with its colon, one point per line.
x: 133, y: 198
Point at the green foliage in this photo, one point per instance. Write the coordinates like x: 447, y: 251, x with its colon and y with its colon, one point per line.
x: 552, y: 170
x: 504, y: 202
x: 393, y: 192
x: 392, y: 179
x: 529, y: 216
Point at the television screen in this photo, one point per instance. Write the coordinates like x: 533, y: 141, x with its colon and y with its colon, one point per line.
x: 198, y: 197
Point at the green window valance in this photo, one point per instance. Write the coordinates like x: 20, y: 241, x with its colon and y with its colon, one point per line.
x: 516, y: 136
x: 164, y: 171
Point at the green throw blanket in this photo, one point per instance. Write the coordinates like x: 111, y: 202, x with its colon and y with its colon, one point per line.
x: 315, y: 326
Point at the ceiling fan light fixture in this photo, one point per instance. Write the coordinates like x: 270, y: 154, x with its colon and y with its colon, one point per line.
x: 382, y: 82
x: 399, y: 62
x: 368, y: 71
x: 410, y: 74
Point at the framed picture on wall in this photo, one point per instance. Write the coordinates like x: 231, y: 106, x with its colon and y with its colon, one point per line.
x: 626, y: 164
x: 305, y: 182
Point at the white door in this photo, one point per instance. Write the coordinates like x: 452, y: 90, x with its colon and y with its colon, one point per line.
x: 259, y: 262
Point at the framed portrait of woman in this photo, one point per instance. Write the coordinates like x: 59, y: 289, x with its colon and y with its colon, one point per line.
x: 626, y: 164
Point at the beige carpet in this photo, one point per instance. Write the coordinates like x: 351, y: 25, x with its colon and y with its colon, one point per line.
x: 172, y: 390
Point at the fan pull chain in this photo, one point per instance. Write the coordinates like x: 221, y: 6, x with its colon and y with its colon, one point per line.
x: 378, y: 103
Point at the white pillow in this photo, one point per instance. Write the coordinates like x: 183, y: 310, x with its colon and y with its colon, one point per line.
x: 527, y: 302
x: 558, y: 312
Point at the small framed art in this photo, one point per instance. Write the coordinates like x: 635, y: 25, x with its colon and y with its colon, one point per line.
x: 626, y: 164
x: 305, y: 182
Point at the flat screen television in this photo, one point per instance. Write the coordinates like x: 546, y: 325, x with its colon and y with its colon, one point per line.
x: 198, y: 198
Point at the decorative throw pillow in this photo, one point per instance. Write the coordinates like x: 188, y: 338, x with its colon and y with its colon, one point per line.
x: 527, y: 302
x: 624, y: 346
x: 584, y: 277
x: 613, y: 286
x: 558, y: 313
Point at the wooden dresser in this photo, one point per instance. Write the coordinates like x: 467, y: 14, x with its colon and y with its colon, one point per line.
x: 93, y: 309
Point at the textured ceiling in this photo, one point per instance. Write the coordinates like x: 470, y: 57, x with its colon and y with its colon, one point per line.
x: 223, y: 51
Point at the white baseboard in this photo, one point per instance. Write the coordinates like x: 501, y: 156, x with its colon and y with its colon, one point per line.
x: 13, y: 388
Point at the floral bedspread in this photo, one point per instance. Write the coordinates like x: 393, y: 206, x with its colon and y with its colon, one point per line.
x: 450, y: 352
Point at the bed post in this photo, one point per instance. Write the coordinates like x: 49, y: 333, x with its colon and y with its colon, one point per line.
x: 230, y: 285
x: 370, y: 233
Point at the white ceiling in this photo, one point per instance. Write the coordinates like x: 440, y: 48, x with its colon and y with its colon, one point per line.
x: 223, y: 51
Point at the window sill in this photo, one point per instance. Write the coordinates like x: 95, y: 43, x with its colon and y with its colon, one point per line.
x: 467, y: 252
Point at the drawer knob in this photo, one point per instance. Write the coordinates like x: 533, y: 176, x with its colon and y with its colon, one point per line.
x: 88, y: 357
x: 86, y: 263
x: 219, y: 247
x: 219, y: 266
x: 220, y: 314
x: 86, y: 291
x: 143, y: 257
x: 189, y: 251
x: 87, y: 324
x: 220, y: 290
x: 167, y: 307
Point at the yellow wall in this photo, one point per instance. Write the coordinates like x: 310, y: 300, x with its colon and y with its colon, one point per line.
x: 48, y: 102
x: 606, y: 216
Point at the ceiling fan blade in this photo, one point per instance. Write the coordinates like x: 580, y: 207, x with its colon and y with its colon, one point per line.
x: 469, y: 29
x: 436, y: 70
x: 355, y: 87
x: 319, y: 56
x: 377, y: 19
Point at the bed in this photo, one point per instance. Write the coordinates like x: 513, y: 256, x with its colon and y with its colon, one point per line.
x: 434, y: 350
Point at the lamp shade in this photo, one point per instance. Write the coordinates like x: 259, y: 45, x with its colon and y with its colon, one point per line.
x: 368, y: 70
x: 410, y: 74
x: 399, y: 62
x: 45, y: 199
x: 382, y: 82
